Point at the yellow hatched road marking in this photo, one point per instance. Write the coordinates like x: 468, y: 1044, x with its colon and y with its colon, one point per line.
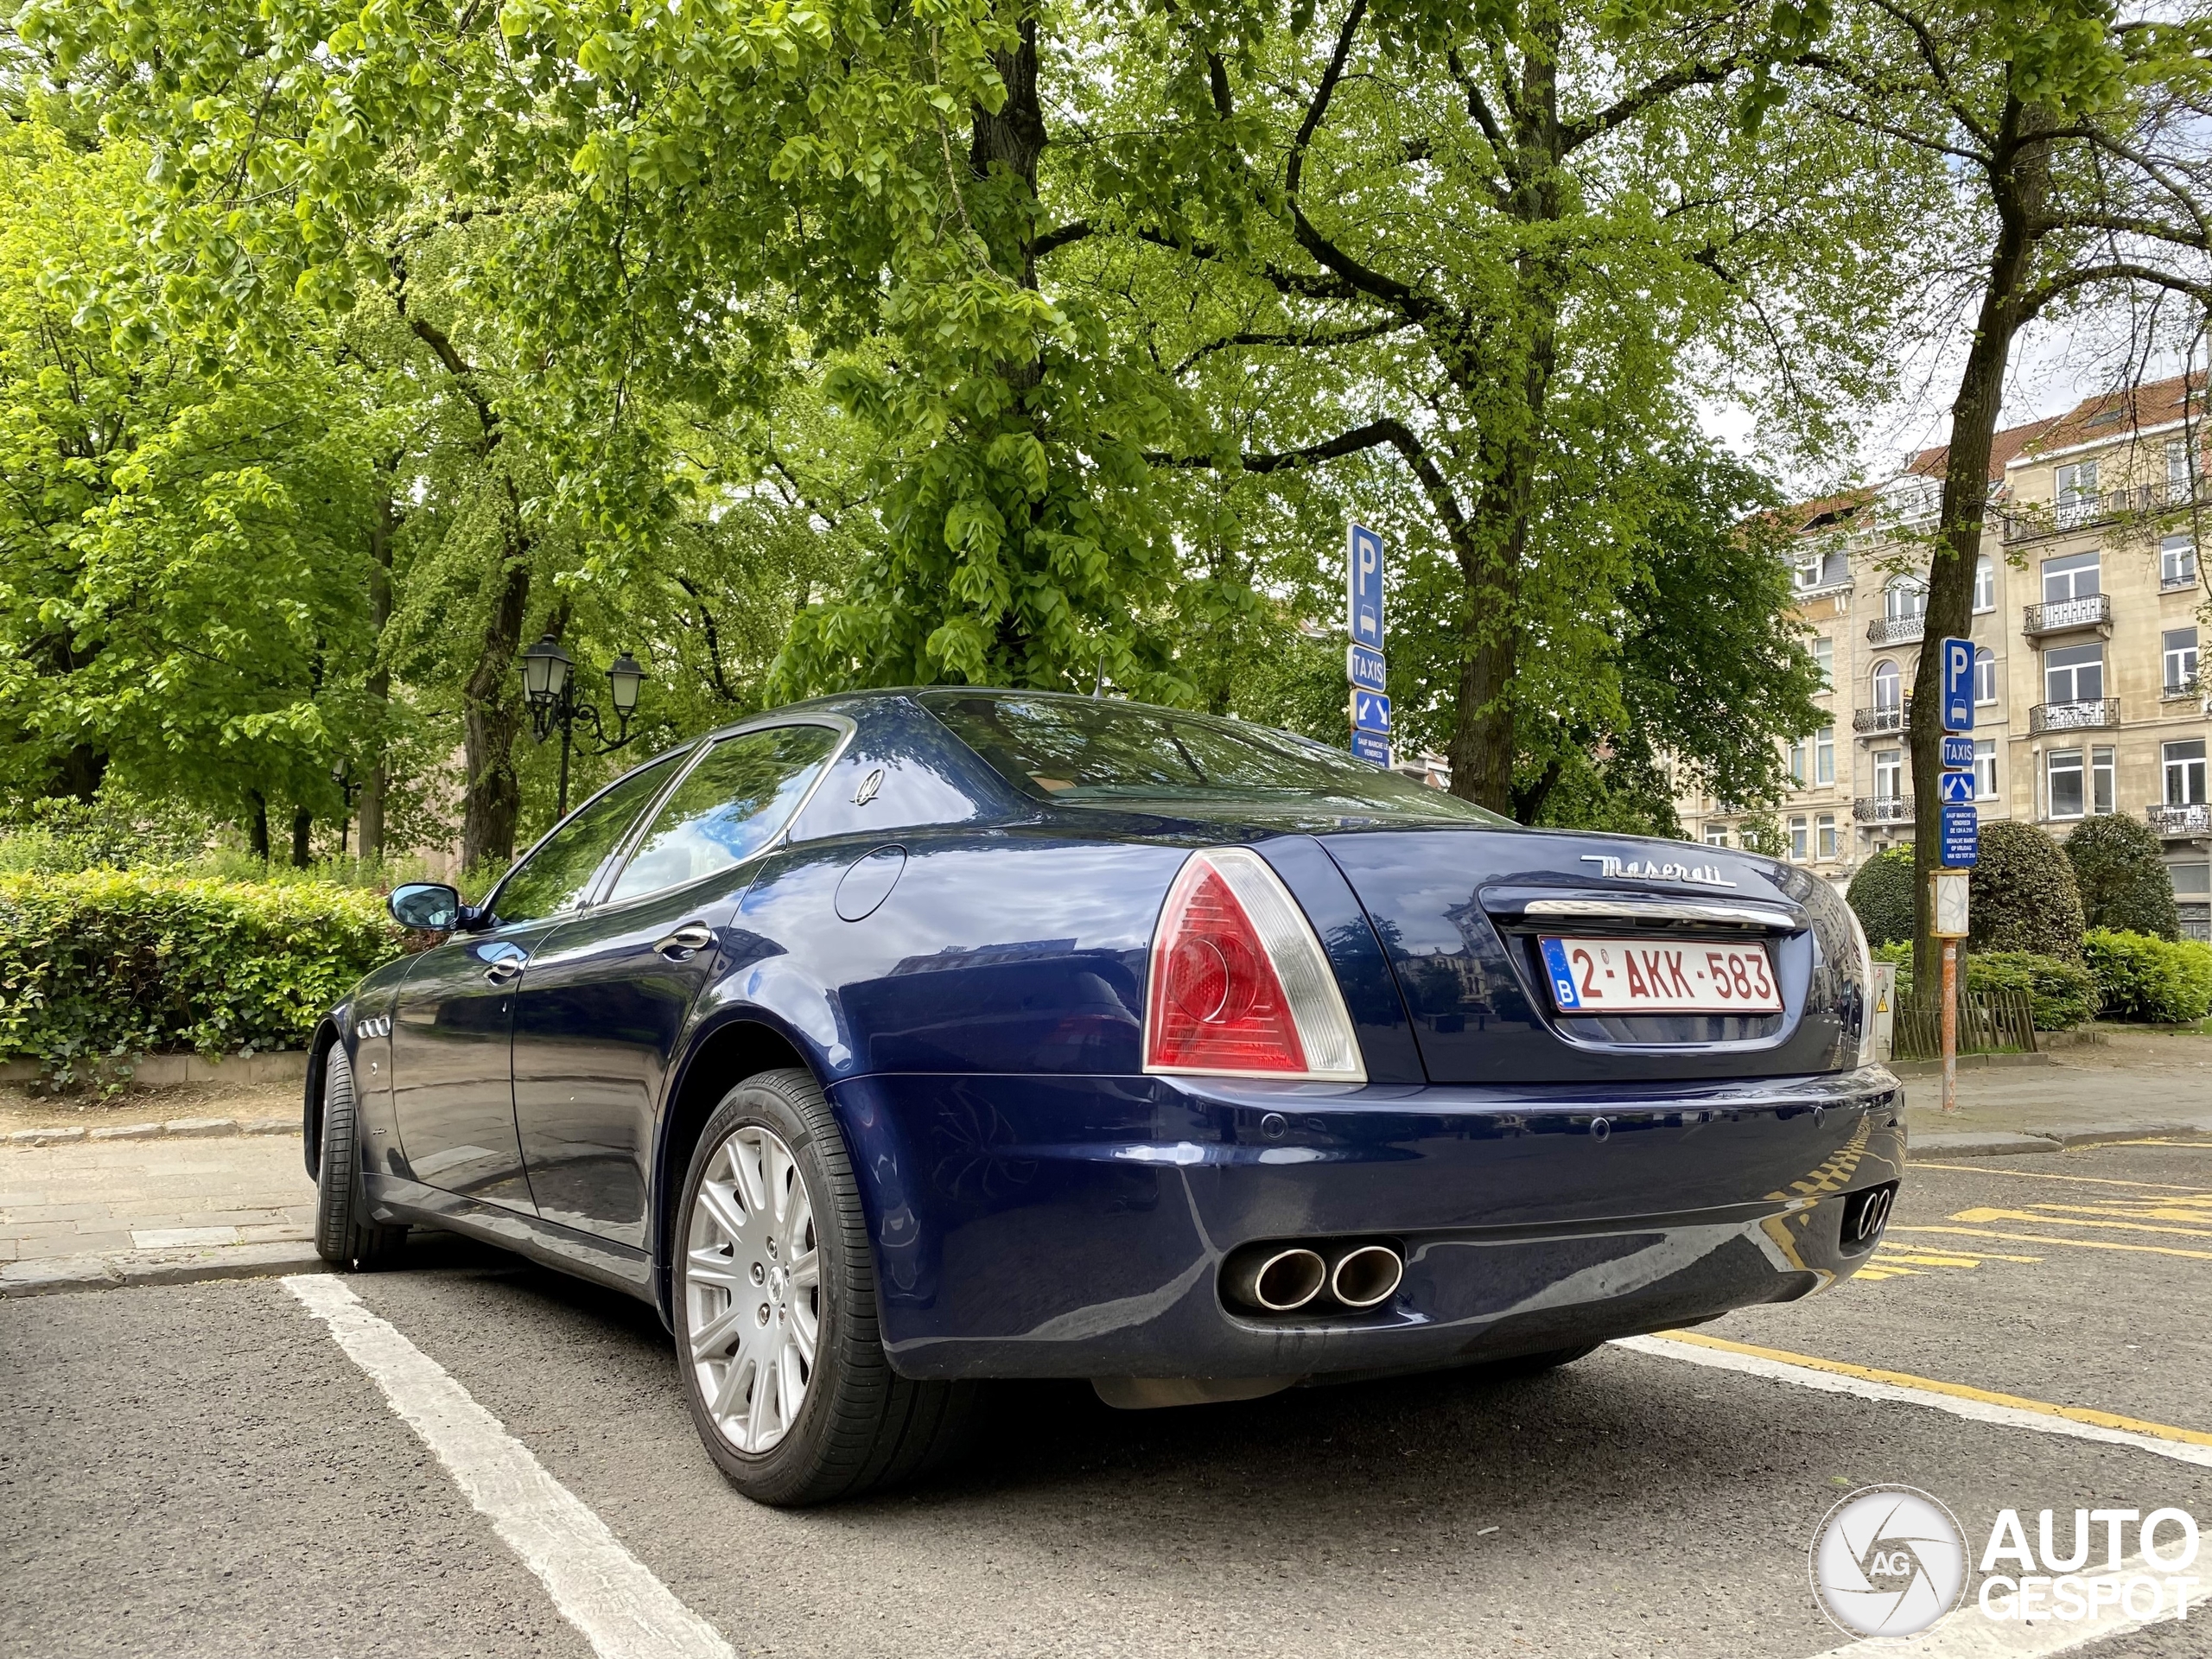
x: 1874, y: 1274
x: 1985, y: 1214
x: 2084, y: 1180
x: 2072, y: 1244
x: 2147, y: 1211
x: 1955, y: 1390
x: 1884, y: 1258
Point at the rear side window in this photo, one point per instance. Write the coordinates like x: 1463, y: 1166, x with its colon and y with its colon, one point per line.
x: 557, y: 876
x: 1091, y: 749
x: 731, y: 805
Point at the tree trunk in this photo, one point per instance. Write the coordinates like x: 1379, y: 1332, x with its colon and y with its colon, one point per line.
x: 303, y: 838
x: 2019, y: 185
x: 1483, y: 747
x: 256, y: 828
x: 374, y: 785
x: 491, y: 803
x: 79, y: 773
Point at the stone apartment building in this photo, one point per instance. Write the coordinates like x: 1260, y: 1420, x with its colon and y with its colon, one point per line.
x: 2088, y: 601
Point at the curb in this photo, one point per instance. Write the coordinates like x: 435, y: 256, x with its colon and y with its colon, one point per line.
x: 61, y: 1276
x: 1972, y: 1143
x: 1968, y: 1063
x: 179, y: 1129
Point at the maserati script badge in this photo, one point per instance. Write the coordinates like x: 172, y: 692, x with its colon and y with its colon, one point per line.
x: 1705, y: 874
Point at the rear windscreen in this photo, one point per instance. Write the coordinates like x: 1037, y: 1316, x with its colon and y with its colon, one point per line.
x: 1096, y: 749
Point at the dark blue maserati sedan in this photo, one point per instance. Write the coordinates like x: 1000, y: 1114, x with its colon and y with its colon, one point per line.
x: 893, y: 1041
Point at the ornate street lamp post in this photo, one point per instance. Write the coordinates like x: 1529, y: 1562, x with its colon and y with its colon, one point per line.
x: 549, y: 687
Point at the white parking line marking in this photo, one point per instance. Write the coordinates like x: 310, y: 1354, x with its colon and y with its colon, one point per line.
x: 624, y: 1612
x: 1978, y: 1411
x: 1971, y: 1634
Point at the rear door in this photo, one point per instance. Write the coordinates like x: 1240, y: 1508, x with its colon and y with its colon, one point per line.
x: 604, y: 1005
x: 452, y: 1066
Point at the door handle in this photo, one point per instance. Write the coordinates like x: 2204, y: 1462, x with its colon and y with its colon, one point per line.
x: 505, y: 968
x: 680, y: 945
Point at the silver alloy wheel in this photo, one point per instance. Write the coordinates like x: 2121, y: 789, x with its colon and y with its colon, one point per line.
x: 752, y: 1288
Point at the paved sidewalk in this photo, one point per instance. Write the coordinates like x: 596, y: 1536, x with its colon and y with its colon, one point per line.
x: 92, y: 1197
x: 2135, y: 1083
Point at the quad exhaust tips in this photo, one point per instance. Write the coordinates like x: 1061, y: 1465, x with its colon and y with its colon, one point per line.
x: 1283, y: 1278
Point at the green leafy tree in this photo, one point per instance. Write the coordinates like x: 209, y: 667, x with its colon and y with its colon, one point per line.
x: 2121, y: 872
x: 1881, y: 892
x: 2021, y: 895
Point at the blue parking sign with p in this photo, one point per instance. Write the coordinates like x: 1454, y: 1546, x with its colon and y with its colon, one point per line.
x: 1364, y: 586
x: 1958, y: 685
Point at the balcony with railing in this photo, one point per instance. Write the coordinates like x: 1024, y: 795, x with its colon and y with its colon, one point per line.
x: 2195, y: 820
x: 1872, y: 722
x: 2077, y: 511
x: 2058, y: 615
x: 2186, y: 689
x: 2178, y: 582
x: 1882, y: 808
x: 1896, y: 630
x: 2093, y: 714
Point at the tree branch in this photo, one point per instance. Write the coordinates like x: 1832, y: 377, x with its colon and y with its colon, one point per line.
x: 1318, y: 338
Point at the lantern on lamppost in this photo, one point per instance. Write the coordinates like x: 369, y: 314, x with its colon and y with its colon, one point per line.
x: 548, y: 689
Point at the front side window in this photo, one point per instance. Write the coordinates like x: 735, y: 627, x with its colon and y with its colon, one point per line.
x: 1905, y: 599
x: 1985, y: 768
x: 558, y: 876
x: 1824, y: 755
x: 1889, y: 774
x: 1798, y: 847
x: 727, y: 808
x: 2180, y: 658
x: 1984, y: 674
x: 1082, y: 751
x: 1985, y: 584
x: 2177, y: 562
x: 1889, y: 685
x: 2104, y: 780
x: 2068, y: 790
x: 2184, y: 768
x: 1825, y: 827
x: 2074, y: 576
x: 2073, y: 674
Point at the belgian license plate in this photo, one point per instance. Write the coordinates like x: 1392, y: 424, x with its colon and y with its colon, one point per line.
x: 1624, y: 976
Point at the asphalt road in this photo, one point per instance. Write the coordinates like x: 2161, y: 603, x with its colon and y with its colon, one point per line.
x: 202, y: 1469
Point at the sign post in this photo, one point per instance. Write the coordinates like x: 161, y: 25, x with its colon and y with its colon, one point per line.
x: 1364, y: 667
x: 1961, y: 844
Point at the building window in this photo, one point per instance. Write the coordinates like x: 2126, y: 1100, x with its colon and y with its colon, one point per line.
x: 1985, y: 584
x: 2177, y: 479
x: 1889, y: 686
x: 2074, y: 576
x: 2075, y: 485
x: 2184, y: 765
x: 2180, y: 658
x: 2068, y: 795
x: 1985, y: 768
x: 1888, y: 774
x: 1824, y: 660
x: 1905, y: 598
x: 2073, y: 674
x: 1824, y: 824
x: 1716, y: 835
x: 1797, y: 761
x: 1824, y: 755
x: 2104, y: 780
x: 1798, y: 850
x: 2177, y: 562
x: 1821, y: 567
x: 1984, y: 674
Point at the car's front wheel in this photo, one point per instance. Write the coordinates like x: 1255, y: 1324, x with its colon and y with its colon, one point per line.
x: 344, y: 1236
x: 783, y: 1364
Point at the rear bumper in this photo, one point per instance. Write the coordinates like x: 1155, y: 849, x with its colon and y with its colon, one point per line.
x: 1075, y: 1226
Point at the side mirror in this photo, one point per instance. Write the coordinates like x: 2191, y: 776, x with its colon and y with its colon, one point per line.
x: 429, y: 905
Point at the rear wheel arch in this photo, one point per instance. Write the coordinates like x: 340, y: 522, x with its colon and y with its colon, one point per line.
x: 718, y: 1062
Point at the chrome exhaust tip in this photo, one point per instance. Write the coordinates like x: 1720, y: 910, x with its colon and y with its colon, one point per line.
x: 1279, y: 1282
x: 1367, y: 1275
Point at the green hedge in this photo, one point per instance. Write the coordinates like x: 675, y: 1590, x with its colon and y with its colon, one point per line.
x: 2163, y: 983
x: 2061, y: 995
x: 99, y: 966
x: 1881, y: 894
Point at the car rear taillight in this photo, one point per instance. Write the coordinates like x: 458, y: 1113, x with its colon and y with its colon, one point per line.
x: 1239, y: 986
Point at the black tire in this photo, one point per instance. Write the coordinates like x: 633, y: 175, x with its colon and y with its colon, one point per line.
x: 860, y: 1425
x: 344, y: 1235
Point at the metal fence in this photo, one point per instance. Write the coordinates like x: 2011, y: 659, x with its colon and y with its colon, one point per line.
x: 1990, y: 1022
